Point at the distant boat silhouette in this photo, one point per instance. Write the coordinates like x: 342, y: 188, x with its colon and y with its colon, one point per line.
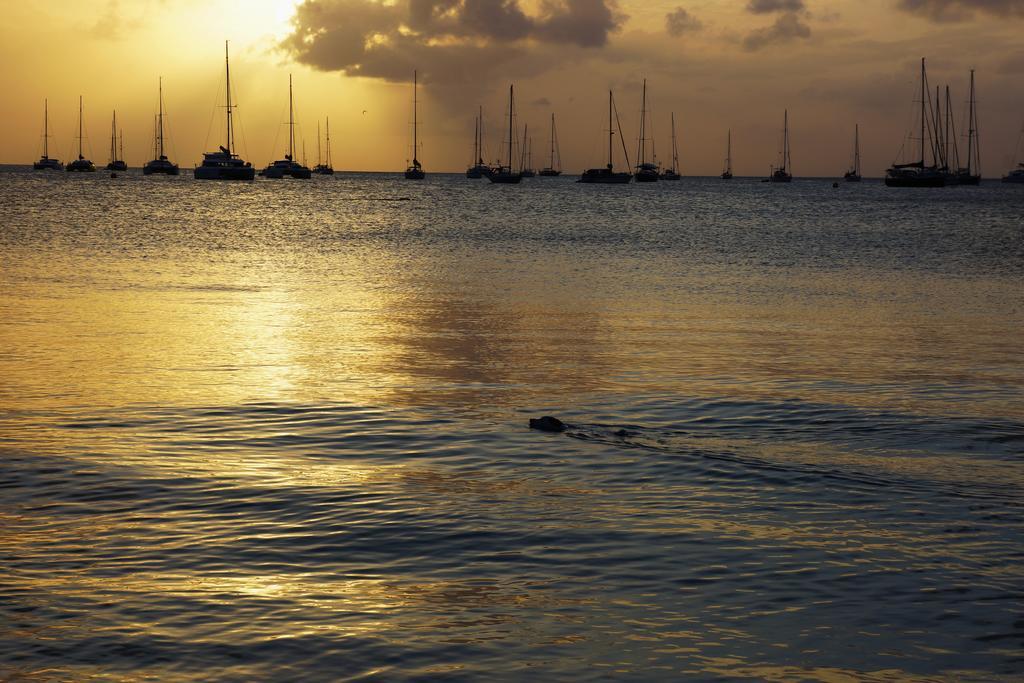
x: 504, y: 175
x: 323, y: 168
x: 288, y: 166
x: 161, y: 164
x: 607, y: 175
x: 45, y: 163
x: 727, y: 170
x: 646, y: 172
x: 415, y: 170
x: 853, y: 175
x: 116, y: 163
x: 1016, y: 176
x: 554, y: 167
x: 478, y: 169
x: 526, y: 163
x: 81, y: 164
x: 224, y: 164
x: 971, y: 174
x: 917, y: 173
x: 672, y: 172
x: 782, y: 174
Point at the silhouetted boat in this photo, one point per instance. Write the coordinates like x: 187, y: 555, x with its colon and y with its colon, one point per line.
x: 478, y: 169
x: 415, y: 170
x: 526, y: 163
x: 607, y: 175
x: 853, y: 175
x: 116, y: 163
x: 161, y: 164
x: 646, y: 172
x: 782, y: 174
x: 971, y: 175
x: 225, y: 164
x: 81, y: 164
x: 554, y: 167
x: 727, y: 171
x: 504, y: 175
x: 288, y: 166
x: 45, y: 163
x: 672, y: 173
x: 1015, y: 176
x: 917, y: 174
x: 322, y: 167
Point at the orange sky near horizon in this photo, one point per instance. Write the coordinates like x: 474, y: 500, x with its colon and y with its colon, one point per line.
x: 723, y: 65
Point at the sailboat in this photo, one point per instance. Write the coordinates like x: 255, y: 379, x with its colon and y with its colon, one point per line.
x: 415, y: 170
x: 672, y: 173
x: 81, y: 163
x: 606, y: 175
x: 853, y: 175
x: 917, y: 174
x: 504, y: 175
x: 971, y: 175
x: 45, y: 163
x: 646, y: 172
x: 322, y: 168
x: 782, y: 174
x: 727, y: 170
x: 116, y: 163
x: 526, y: 163
x: 554, y: 167
x: 1016, y: 176
x: 224, y: 164
x: 479, y: 169
x: 160, y: 163
x: 288, y: 166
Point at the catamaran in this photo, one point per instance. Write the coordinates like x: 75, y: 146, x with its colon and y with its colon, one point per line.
x: 853, y: 175
x: 916, y: 173
x: 45, y: 163
x: 224, y: 164
x: 160, y: 163
x: 646, y: 172
x: 322, y: 168
x: 672, y: 172
x: 782, y: 174
x: 288, y: 166
x: 504, y: 175
x: 554, y: 167
x: 80, y: 164
x: 607, y: 175
x: 415, y: 170
x: 727, y: 170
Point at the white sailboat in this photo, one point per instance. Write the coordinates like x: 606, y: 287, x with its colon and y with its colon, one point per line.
x: 781, y: 174
x: 504, y: 175
x: 81, y: 164
x: 415, y: 170
x: 646, y: 171
x: 160, y: 163
x: 288, y: 166
x: 224, y: 164
x: 323, y: 167
x: 45, y: 163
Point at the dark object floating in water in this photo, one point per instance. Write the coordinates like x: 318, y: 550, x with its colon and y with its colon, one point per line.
x: 548, y: 424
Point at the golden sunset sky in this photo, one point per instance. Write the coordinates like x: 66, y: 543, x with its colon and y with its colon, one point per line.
x: 717, y: 64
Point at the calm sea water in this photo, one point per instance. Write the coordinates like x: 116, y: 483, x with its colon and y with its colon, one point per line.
x: 277, y: 430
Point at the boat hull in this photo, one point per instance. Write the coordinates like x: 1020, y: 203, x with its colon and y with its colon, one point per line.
x: 80, y: 166
x: 780, y: 177
x: 160, y: 167
x: 415, y: 174
x: 548, y: 173
x: 505, y: 178
x: 603, y: 176
x: 851, y: 177
x: 670, y: 175
x: 323, y: 170
x: 726, y: 176
x: 527, y: 174
x: 47, y: 164
x: 117, y: 166
x: 915, y: 180
x: 224, y: 173
x: 1014, y: 178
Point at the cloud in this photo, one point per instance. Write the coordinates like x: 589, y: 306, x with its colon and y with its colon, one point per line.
x: 786, y: 28
x: 961, y: 10
x: 770, y: 6
x: 679, y: 21
x: 447, y: 40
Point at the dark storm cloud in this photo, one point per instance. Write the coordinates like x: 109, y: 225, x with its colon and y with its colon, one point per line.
x: 449, y: 40
x: 770, y: 6
x: 787, y: 28
x: 961, y: 10
x: 679, y: 21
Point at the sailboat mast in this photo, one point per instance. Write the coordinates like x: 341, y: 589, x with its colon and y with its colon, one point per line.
x: 728, y: 151
x: 551, y: 164
x: 611, y: 131
x: 113, y: 138
x: 46, y: 129
x: 227, y: 72
x: 80, y: 127
x: 415, y: 121
x: 523, y: 158
x: 856, y: 149
x: 643, y: 121
x: 971, y: 132
x: 510, y: 98
x: 291, y: 122
x: 675, y: 150
x: 122, y: 144
x: 160, y: 122
x: 785, y: 140
x: 480, y: 141
x: 922, y: 110
x: 328, y: 141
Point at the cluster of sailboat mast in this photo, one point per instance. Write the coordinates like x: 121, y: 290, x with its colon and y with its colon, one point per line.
x: 938, y: 163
